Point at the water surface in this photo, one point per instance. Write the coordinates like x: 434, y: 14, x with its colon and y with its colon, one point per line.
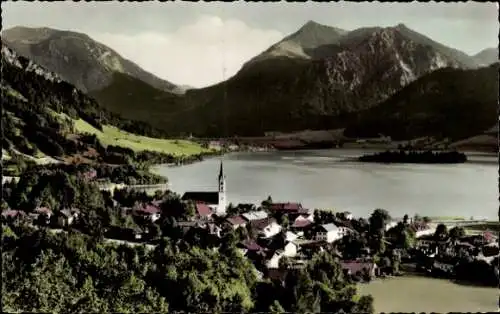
x: 423, y: 294
x: 323, y: 179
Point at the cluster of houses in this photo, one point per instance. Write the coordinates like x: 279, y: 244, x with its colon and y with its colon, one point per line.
x: 275, y: 234
x: 443, y: 255
x: 44, y: 216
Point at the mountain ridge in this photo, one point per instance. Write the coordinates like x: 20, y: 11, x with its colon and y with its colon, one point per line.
x: 333, y: 75
x: 92, y: 63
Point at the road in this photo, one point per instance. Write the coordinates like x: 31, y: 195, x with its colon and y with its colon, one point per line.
x: 114, y: 241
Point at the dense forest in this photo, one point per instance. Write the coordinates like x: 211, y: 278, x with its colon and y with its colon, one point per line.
x: 447, y: 103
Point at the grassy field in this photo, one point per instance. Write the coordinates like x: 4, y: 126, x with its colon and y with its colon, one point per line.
x: 115, y: 136
x: 422, y: 294
x: 439, y: 218
x: 493, y: 226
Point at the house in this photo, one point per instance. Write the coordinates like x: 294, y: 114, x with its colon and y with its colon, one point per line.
x: 250, y: 247
x: 290, y: 236
x: 11, y: 214
x: 359, y: 268
x: 290, y: 249
x: 348, y: 215
x: 301, y: 223
x: 330, y: 233
x: 274, y: 261
x: 235, y: 222
x: 214, y: 230
x: 266, y: 228
x: 203, y: 211
x: 44, y: 212
x: 89, y: 175
x: 308, y: 248
x: 285, y: 208
x: 255, y: 215
x: 390, y: 225
x: 422, y: 229
x: 302, y: 212
x: 147, y: 211
x: 67, y: 216
x: 215, y: 200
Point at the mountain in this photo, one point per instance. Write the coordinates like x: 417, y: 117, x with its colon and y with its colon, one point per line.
x: 43, y: 115
x: 319, y: 77
x: 77, y: 58
x: 319, y: 86
x: 448, y: 103
x: 304, y: 43
x: 486, y: 56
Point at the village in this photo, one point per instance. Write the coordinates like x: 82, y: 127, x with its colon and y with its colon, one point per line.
x: 281, y: 236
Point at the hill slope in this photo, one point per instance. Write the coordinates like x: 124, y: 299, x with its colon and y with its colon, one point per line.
x: 486, y: 56
x: 315, y: 78
x: 448, y: 103
x: 43, y: 115
x: 77, y: 58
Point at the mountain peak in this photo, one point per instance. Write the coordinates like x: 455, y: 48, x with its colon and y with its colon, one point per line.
x: 401, y: 26
x: 311, y: 24
x: 76, y: 57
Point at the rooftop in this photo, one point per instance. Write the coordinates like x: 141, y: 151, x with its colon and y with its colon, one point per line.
x: 255, y: 215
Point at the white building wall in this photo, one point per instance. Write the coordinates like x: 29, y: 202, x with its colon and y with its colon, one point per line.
x: 271, y: 230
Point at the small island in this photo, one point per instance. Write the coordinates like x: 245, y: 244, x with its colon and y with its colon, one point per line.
x: 415, y: 157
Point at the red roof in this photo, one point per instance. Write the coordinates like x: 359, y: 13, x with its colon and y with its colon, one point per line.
x: 43, y: 210
x: 488, y: 236
x: 355, y: 267
x: 147, y: 209
x: 301, y: 223
x: 12, y: 213
x: 203, y: 210
x: 236, y: 220
x: 261, y: 224
x: 251, y: 245
x: 157, y: 203
x: 286, y: 207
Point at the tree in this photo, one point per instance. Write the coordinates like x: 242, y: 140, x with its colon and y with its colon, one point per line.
x: 364, y: 305
x: 441, y: 232
x: 378, y: 220
x: 405, y: 219
x: 268, y: 201
x: 457, y: 232
x: 276, y: 308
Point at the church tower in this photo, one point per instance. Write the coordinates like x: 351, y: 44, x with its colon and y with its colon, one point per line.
x: 221, y: 208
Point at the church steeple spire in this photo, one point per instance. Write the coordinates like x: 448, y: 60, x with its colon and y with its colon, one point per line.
x: 221, y: 172
x: 221, y: 208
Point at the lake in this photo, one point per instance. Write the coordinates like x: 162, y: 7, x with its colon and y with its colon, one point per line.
x: 324, y: 179
x: 423, y: 294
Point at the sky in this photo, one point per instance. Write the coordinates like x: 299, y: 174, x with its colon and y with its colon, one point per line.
x: 200, y: 44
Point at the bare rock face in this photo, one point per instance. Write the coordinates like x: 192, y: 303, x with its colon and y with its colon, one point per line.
x: 316, y: 77
x: 77, y: 58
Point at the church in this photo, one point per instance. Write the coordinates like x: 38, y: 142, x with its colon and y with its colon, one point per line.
x: 215, y: 200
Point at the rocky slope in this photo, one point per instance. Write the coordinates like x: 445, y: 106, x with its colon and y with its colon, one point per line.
x: 77, y: 58
x: 486, y: 56
x: 319, y: 87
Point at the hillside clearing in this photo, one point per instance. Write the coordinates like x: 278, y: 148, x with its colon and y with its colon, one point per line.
x: 114, y: 136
